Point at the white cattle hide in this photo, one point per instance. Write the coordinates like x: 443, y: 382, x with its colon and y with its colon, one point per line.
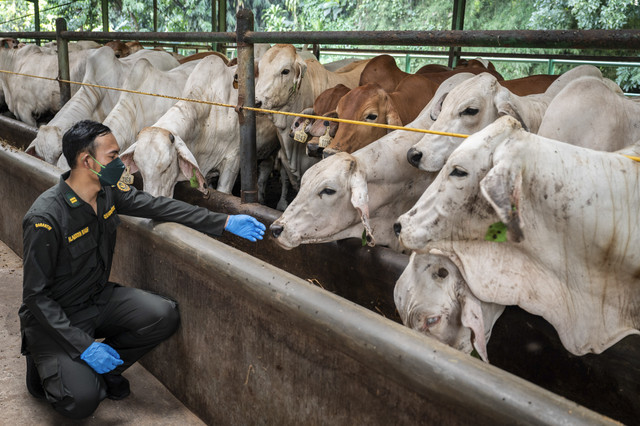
x: 133, y: 112
x: 103, y: 68
x: 28, y: 96
x: 478, y: 102
x: 572, y: 222
x: 588, y: 113
x: 345, y: 194
x: 432, y: 297
x: 194, y: 138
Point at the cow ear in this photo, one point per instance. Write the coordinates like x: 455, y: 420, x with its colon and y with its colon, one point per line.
x: 506, y: 106
x: 471, y: 317
x: 188, y: 165
x: 127, y: 158
x: 502, y: 188
x: 437, y: 107
x: 360, y: 198
x: 301, y: 69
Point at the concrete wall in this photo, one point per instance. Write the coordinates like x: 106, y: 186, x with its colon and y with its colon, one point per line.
x: 259, y: 345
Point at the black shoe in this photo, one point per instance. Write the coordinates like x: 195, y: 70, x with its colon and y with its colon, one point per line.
x: 34, y: 384
x: 117, y: 386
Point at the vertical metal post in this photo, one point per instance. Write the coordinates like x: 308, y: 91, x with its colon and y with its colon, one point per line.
x: 155, y: 16
x: 222, y: 23
x: 36, y: 15
x: 63, y: 61
x: 105, y: 15
x: 457, y: 24
x: 246, y: 97
x: 214, y: 23
x: 550, y: 67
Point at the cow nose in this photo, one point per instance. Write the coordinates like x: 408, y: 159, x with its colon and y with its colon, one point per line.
x: 314, y: 150
x: 414, y: 156
x: 258, y: 104
x: 276, y: 230
x: 397, y: 228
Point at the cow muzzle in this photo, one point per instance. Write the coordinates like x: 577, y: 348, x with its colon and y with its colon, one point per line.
x: 276, y: 230
x: 414, y: 157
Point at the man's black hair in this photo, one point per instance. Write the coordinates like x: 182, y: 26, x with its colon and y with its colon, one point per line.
x: 81, y: 137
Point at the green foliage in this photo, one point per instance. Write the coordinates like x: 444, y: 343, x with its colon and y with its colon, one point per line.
x: 348, y: 15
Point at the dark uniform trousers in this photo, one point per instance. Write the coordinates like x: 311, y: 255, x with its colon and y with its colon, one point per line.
x: 132, y: 321
x: 68, y: 301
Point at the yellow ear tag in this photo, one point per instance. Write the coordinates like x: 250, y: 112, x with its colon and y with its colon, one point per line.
x: 300, y: 135
x: 127, y: 177
x: 325, y: 139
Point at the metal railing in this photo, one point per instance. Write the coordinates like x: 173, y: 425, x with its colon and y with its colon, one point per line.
x: 245, y: 38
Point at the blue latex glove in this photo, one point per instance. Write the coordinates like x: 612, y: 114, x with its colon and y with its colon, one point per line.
x: 101, y: 357
x: 245, y: 226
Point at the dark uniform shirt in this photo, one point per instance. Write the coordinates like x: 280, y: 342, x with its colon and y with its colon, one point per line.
x: 68, y: 250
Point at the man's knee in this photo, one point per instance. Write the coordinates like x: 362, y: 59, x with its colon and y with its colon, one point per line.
x: 73, y: 389
x: 164, y: 318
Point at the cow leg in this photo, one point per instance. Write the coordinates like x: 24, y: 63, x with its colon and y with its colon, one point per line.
x: 264, y: 170
x: 228, y: 176
x: 284, y: 180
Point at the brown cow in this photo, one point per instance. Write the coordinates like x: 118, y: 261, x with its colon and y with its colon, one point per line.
x: 201, y: 55
x: 370, y: 103
x: 384, y: 71
x: 122, y: 49
x: 529, y: 85
x: 325, y: 102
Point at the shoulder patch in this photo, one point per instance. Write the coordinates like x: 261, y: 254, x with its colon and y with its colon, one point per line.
x: 123, y: 186
x: 43, y: 225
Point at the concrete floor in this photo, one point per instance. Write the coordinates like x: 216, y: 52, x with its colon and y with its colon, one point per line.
x: 150, y: 403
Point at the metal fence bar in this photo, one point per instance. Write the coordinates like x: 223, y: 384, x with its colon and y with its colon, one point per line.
x: 557, y: 39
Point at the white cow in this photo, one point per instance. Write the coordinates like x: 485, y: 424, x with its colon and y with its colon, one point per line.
x: 588, y: 113
x: 194, y: 139
x: 287, y: 82
x: 104, y: 69
x: 347, y: 193
x: 572, y: 219
x: 133, y: 111
x: 432, y: 297
x: 477, y: 103
x: 27, y: 97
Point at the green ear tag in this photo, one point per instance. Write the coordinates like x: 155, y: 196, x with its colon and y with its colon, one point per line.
x: 194, y: 180
x: 497, y: 232
x: 364, y: 237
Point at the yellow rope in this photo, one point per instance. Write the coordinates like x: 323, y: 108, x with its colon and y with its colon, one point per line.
x: 268, y: 111
x: 632, y: 157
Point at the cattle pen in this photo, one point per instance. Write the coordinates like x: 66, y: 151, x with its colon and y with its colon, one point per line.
x: 293, y: 340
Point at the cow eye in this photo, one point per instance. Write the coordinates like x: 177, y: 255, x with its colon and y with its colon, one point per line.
x: 470, y: 111
x: 372, y: 117
x: 458, y: 172
x: 442, y: 273
x: 431, y: 321
x: 327, y: 191
x: 285, y: 71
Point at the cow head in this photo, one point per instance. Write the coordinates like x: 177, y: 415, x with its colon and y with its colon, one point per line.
x: 163, y: 159
x: 370, y: 104
x: 453, y: 208
x: 433, y: 298
x: 47, y: 145
x: 337, y: 184
x: 466, y: 109
x: 281, y: 71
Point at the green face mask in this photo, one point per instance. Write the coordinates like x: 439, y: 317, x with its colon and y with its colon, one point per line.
x: 111, y: 173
